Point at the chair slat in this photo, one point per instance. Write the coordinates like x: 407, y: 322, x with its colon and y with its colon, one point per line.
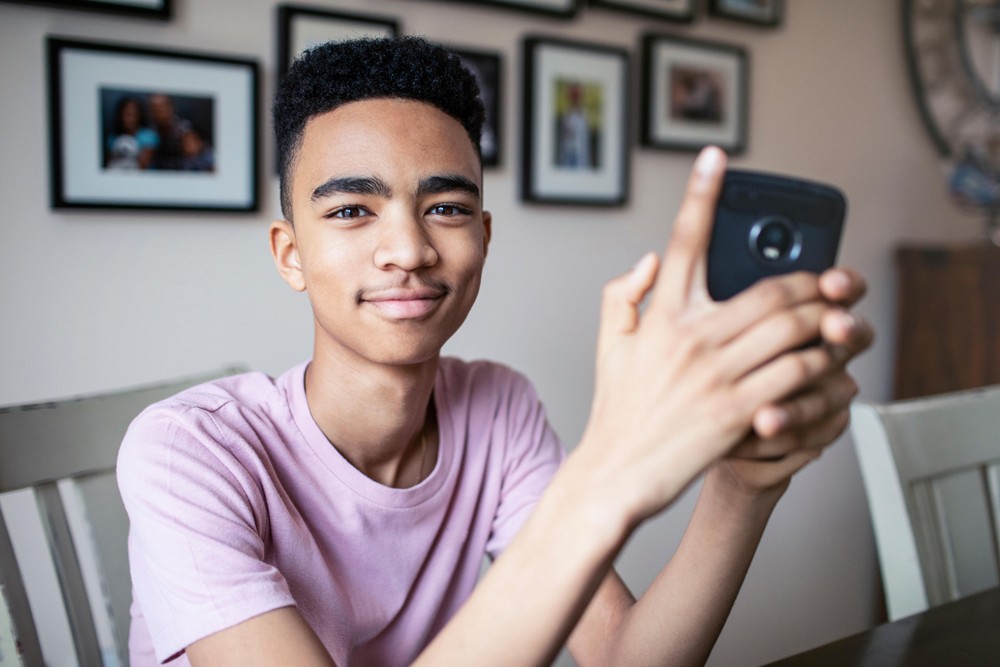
x: 930, y: 544
x: 16, y: 598
x: 106, y: 525
x: 57, y: 532
x: 991, y: 480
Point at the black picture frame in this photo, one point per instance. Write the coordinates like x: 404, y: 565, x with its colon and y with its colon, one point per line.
x: 694, y: 93
x: 565, y: 9
x: 679, y: 11
x: 300, y: 27
x: 767, y: 13
x: 160, y: 10
x: 205, y: 157
x: 576, y: 122
x: 487, y: 67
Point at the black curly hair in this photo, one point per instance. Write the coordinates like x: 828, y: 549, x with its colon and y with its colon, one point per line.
x: 336, y: 73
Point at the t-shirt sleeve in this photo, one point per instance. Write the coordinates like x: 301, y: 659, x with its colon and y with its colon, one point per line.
x: 532, y: 454
x: 197, y: 516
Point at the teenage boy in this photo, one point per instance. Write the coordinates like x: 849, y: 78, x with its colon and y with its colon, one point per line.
x: 339, y: 513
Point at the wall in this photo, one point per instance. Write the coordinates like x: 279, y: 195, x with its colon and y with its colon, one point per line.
x: 98, y: 300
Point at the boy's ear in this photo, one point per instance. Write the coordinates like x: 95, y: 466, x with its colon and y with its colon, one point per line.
x: 285, y: 252
x: 487, y: 231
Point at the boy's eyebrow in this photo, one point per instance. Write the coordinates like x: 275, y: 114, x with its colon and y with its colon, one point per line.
x: 447, y: 183
x: 373, y: 185
x: 352, y: 185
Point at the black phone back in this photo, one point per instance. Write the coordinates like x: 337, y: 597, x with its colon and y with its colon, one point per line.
x: 767, y: 225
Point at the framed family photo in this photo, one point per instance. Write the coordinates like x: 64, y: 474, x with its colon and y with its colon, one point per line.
x: 132, y: 127
x: 761, y: 12
x: 486, y: 66
x: 671, y: 10
x: 300, y: 28
x: 694, y: 93
x: 150, y: 9
x: 575, y: 115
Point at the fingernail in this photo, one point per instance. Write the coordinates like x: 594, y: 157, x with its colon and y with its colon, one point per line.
x: 848, y: 321
x: 838, y: 280
x: 772, y: 420
x: 643, y: 262
x: 709, y: 161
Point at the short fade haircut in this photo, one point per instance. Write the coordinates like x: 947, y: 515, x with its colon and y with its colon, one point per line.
x: 333, y: 74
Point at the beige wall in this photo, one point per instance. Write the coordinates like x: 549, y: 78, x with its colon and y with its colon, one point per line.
x: 99, y: 300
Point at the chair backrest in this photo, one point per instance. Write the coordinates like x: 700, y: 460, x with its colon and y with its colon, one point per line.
x: 931, y: 469
x: 65, y: 451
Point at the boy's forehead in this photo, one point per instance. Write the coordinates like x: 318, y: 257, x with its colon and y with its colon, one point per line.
x: 360, y: 137
x: 377, y: 110
x: 388, y: 122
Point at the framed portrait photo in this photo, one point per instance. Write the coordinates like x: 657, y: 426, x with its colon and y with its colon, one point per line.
x: 300, y: 28
x: 575, y: 121
x: 761, y: 12
x: 149, y: 9
x: 486, y: 66
x: 670, y: 10
x: 133, y: 127
x: 694, y: 93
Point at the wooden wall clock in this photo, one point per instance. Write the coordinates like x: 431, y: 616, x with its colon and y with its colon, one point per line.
x: 953, y: 50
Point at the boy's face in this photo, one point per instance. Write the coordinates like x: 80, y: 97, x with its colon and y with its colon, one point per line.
x: 390, y: 236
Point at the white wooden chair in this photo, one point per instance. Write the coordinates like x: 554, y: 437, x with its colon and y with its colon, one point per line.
x: 65, y: 451
x: 931, y: 470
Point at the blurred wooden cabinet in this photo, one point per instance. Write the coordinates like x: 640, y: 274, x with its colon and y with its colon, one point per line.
x: 948, y: 323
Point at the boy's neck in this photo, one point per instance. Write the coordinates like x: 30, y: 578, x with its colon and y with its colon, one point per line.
x: 379, y: 417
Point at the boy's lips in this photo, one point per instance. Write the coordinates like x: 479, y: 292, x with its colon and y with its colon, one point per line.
x: 405, y: 302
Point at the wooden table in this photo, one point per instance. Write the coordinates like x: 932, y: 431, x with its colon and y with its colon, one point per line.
x: 965, y: 633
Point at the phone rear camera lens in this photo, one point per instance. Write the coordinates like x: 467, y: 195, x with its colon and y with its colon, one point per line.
x: 774, y: 239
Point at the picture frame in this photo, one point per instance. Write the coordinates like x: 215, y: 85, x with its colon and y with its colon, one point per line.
x: 301, y: 27
x: 139, y: 128
x: 555, y: 8
x: 575, y: 120
x: 694, y: 93
x: 680, y: 11
x: 761, y: 12
x: 487, y: 67
x: 160, y: 10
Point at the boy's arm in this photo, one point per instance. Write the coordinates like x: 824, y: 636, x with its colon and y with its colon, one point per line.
x: 278, y: 637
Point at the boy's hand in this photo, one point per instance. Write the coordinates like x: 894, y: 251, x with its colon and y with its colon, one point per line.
x: 679, y: 385
x: 790, y: 434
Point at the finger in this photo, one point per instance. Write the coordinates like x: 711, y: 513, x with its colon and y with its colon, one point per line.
x: 783, y: 376
x: 846, y: 334
x: 771, y: 337
x: 684, y: 261
x: 622, y: 296
x: 817, y: 436
x: 758, y: 302
x: 830, y: 395
x: 843, y: 285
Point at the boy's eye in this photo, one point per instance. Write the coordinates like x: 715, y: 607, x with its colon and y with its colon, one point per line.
x: 449, y: 210
x: 347, y: 212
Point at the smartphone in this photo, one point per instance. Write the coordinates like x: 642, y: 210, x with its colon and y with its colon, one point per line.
x: 768, y: 224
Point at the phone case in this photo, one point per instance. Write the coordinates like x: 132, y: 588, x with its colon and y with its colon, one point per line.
x: 768, y: 224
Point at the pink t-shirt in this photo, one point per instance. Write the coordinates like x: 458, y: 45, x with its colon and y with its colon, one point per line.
x: 239, y: 505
